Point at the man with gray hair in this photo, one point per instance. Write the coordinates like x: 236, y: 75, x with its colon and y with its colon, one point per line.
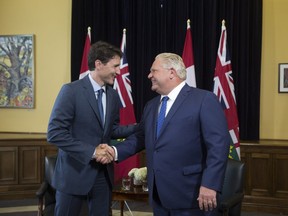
x: 185, y: 134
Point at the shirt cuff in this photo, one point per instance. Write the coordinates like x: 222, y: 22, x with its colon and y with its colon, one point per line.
x: 116, y: 153
x: 94, y: 155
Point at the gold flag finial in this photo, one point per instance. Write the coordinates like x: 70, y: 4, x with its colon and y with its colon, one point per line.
x: 223, y: 22
x: 188, y: 23
x: 89, y: 31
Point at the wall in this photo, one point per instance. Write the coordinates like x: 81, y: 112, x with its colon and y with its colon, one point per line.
x: 50, y: 22
x: 274, y: 106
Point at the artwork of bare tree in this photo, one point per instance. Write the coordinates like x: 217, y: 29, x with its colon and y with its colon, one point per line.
x: 16, y: 71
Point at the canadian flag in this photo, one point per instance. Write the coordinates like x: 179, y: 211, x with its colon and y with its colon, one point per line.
x: 84, y: 65
x: 123, y: 86
x: 188, y: 57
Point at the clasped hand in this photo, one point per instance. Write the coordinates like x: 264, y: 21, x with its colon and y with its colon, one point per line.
x: 104, y: 154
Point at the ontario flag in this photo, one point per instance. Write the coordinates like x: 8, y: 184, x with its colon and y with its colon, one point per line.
x: 123, y: 86
x: 224, y: 89
x: 84, y: 65
x: 188, y: 57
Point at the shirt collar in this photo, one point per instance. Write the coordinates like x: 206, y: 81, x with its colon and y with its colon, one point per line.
x: 95, y: 85
x: 174, y: 93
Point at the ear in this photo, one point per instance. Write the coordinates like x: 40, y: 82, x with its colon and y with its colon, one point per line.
x: 98, y: 64
x: 173, y: 73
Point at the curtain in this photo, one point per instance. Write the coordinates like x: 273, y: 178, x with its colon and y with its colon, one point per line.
x: 155, y: 26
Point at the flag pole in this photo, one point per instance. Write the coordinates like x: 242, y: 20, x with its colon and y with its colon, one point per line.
x: 188, y: 23
x: 89, y: 31
x: 224, y: 90
x: 123, y: 39
x: 84, y: 70
x: 123, y: 43
x: 122, y: 84
x: 188, y: 57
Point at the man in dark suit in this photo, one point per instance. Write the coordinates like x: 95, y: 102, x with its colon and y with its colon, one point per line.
x: 187, y: 156
x: 81, y: 119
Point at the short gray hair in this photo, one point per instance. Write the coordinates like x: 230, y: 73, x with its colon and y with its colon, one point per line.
x: 172, y: 60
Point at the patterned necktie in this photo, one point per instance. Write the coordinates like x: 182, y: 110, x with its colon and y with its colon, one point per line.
x: 100, y: 105
x: 161, y: 115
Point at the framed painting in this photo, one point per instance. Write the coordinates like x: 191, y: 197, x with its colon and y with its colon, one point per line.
x: 17, y: 71
x: 283, y: 77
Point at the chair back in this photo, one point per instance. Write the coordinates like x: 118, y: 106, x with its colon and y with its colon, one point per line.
x: 50, y: 162
x: 50, y: 192
x: 233, y: 188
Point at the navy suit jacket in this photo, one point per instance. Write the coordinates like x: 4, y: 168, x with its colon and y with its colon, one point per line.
x: 75, y: 128
x: 192, y: 148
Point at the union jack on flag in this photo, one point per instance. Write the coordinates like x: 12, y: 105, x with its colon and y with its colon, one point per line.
x: 123, y: 86
x: 224, y: 89
x: 122, y: 83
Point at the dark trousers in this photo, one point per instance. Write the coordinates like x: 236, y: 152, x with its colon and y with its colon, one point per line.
x: 98, y: 199
x: 159, y: 210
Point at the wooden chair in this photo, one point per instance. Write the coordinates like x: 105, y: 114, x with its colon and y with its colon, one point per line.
x: 46, y: 193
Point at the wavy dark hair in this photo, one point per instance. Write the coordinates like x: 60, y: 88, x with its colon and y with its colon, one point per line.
x: 102, y: 51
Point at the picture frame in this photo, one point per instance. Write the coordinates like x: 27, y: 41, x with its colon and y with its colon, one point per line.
x: 17, y: 71
x: 283, y: 78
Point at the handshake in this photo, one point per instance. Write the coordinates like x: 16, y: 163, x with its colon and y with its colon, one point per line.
x: 104, y: 154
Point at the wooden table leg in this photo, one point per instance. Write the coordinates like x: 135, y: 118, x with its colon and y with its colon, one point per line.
x: 122, y: 207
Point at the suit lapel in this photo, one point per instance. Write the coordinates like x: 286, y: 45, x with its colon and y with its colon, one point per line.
x: 109, y: 106
x: 90, y: 95
x: 179, y: 100
x: 154, y: 116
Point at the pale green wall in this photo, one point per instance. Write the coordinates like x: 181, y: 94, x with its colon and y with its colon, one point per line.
x: 50, y: 22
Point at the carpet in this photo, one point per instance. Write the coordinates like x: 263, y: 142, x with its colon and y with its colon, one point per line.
x: 29, y: 207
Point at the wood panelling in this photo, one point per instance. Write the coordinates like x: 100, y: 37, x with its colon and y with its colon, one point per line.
x: 8, y: 165
x: 30, y: 168
x: 280, y: 179
x: 22, y: 164
x: 266, y: 180
x: 260, y: 172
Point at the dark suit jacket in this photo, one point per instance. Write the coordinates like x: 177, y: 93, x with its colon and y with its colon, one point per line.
x: 75, y: 128
x: 192, y: 148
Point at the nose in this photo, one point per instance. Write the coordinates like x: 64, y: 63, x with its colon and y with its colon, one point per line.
x: 118, y: 70
x: 149, y: 75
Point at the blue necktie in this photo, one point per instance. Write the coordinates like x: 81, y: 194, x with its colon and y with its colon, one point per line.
x: 161, y: 115
x: 100, y: 105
